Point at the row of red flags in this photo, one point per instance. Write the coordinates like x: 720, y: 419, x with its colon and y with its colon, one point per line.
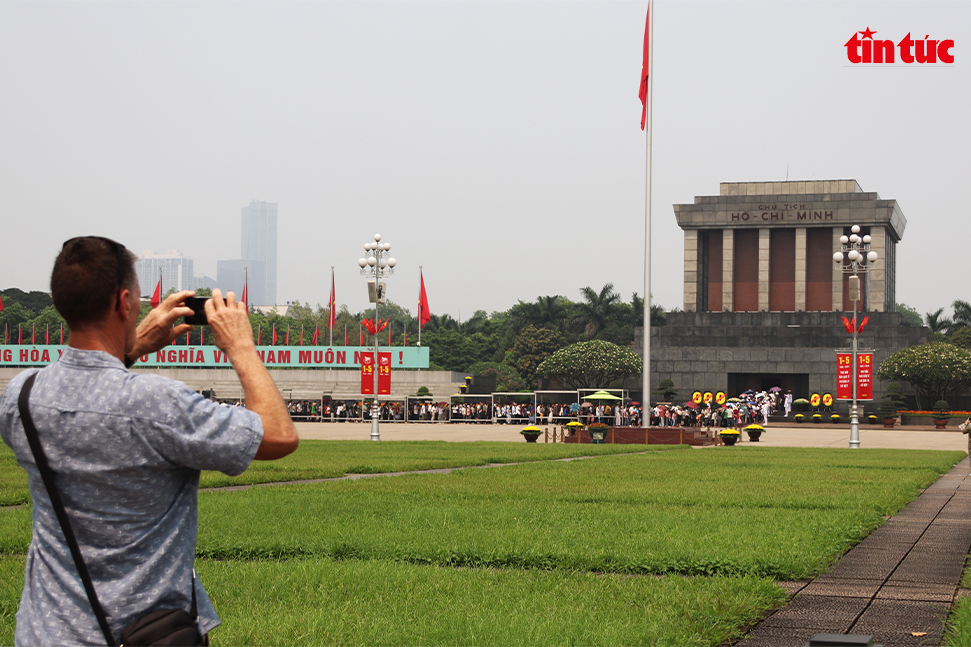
x: 33, y: 333
x: 424, y: 314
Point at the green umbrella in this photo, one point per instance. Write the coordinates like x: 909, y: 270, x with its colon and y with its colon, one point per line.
x: 601, y: 395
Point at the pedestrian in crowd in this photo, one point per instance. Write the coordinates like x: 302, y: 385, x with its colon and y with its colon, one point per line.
x: 788, y: 402
x: 126, y: 450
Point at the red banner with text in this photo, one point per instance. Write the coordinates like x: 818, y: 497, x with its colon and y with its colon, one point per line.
x: 384, y: 373
x: 864, y: 376
x: 367, y: 373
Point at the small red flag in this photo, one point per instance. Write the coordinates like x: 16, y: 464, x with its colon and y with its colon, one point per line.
x: 406, y: 335
x: 347, y: 342
x: 157, y: 297
x: 645, y: 69
x: 33, y: 334
x: 202, y: 336
x: 259, y: 336
x: 361, y: 330
x: 287, y: 339
x: 390, y: 328
x: 848, y: 325
x: 274, y: 334
x: 62, y: 334
x: 332, y: 304
x: 6, y: 334
x: 47, y: 334
x: 316, y: 337
x: 424, y: 316
x: 245, y: 298
x: 1, y: 304
x: 20, y: 334
x: 863, y: 323
x: 301, y: 334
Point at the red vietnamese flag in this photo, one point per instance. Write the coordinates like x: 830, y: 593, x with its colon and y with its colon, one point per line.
x: 274, y: 334
x: 1, y: 304
x: 47, y: 334
x: 347, y: 341
x: 202, y: 336
x: 361, y: 330
x: 332, y: 304
x: 6, y: 334
x: 390, y: 328
x: 301, y: 334
x: 287, y: 338
x: 20, y: 334
x: 316, y: 336
x: 62, y: 334
x: 33, y: 334
x: 157, y: 297
x: 245, y: 298
x: 645, y: 69
x: 259, y: 336
x: 406, y: 334
x: 424, y: 316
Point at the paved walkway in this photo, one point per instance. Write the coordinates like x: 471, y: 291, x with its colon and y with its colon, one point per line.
x: 805, y: 435
x: 897, y: 585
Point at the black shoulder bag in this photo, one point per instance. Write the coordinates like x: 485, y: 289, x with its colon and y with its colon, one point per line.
x: 162, y: 627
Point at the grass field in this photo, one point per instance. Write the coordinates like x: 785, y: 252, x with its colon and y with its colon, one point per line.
x: 666, y: 548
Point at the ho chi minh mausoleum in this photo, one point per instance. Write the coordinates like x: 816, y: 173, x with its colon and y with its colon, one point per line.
x: 763, y: 298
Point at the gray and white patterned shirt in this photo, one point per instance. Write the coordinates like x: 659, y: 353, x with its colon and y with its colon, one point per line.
x: 126, y: 450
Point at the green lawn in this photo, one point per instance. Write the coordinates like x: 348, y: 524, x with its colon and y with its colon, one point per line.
x: 320, y: 459
x: 538, y: 553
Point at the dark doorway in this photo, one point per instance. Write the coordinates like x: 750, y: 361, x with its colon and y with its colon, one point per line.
x: 798, y: 383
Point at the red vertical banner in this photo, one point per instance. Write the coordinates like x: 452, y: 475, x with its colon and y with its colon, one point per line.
x: 864, y: 376
x: 384, y: 373
x: 367, y: 373
x: 844, y: 376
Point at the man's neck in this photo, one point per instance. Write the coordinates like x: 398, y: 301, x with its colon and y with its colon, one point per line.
x: 98, y: 339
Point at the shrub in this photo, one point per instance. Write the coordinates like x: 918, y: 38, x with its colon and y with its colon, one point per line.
x: 872, y: 418
x: 728, y: 432
x: 888, y: 408
x: 942, y: 411
x: 598, y: 426
x: 532, y: 429
x: 754, y: 427
x: 835, y: 417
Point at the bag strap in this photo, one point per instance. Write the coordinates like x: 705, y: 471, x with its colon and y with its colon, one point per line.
x: 45, y: 471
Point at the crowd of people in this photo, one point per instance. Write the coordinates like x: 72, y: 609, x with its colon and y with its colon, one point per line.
x: 749, y: 407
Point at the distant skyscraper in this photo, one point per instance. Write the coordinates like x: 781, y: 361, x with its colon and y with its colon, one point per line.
x: 231, y: 274
x: 259, y: 244
x: 176, y: 271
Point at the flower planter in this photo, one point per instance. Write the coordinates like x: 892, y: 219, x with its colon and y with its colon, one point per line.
x: 888, y: 423
x: 754, y: 436
x: 940, y: 424
x: 531, y: 438
x: 729, y: 440
x: 597, y: 436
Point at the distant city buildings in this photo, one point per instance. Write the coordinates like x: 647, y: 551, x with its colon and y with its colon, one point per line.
x: 175, y: 269
x: 258, y: 252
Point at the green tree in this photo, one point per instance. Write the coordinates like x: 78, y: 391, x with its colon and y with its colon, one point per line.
x: 34, y: 301
x: 935, y: 322
x: 507, y: 377
x: 962, y: 315
x: 48, y: 320
x: 665, y: 391
x: 591, y: 364
x: 961, y: 337
x: 449, y: 350
x: 909, y: 315
x: 596, y: 310
x: 13, y: 315
x: 937, y: 371
x: 531, y: 347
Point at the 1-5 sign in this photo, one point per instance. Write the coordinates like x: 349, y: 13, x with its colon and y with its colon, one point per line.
x: 864, y: 376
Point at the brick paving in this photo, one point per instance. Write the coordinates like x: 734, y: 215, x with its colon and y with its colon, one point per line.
x: 897, y: 585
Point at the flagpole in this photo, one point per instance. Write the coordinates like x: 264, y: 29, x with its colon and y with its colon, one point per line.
x: 330, y: 316
x: 646, y: 397
x: 419, y: 308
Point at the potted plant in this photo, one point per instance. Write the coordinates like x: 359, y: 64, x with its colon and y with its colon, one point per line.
x: 817, y: 418
x: 754, y: 432
x: 573, y: 427
x: 800, y: 418
x: 598, y: 431
x: 942, y: 413
x: 729, y: 436
x: 872, y: 418
x: 887, y: 412
x: 801, y: 404
x: 835, y: 418
x: 531, y: 433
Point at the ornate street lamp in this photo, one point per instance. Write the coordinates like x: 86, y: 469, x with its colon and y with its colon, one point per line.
x: 376, y: 264
x: 856, y: 249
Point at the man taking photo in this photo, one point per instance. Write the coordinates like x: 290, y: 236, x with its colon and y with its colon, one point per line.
x: 126, y: 450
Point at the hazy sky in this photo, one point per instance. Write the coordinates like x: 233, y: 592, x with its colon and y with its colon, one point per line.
x: 497, y: 144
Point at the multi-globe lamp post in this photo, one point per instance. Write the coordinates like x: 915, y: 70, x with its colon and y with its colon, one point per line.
x: 856, y: 249
x: 376, y: 264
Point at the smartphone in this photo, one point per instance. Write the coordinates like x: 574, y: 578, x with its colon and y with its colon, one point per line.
x: 198, y: 316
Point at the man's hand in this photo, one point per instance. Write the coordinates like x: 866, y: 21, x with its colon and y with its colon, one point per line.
x: 156, y: 330
x: 229, y: 323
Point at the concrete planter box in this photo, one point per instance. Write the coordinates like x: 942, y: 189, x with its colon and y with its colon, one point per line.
x: 652, y: 436
x: 928, y: 421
